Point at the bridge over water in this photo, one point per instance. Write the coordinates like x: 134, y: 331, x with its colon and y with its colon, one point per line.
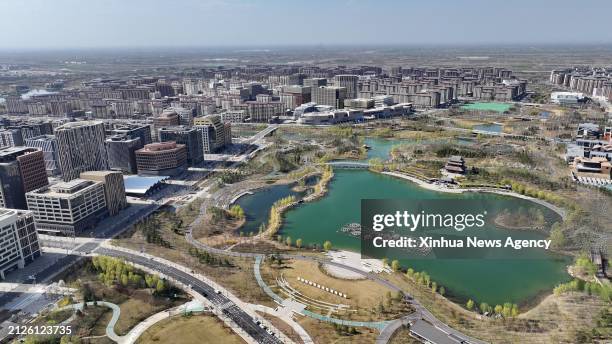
x: 348, y: 164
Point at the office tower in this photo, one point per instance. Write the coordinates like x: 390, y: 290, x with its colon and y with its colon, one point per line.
x: 10, y: 138
x: 233, y: 116
x: 260, y: 111
x: 294, y: 95
x: 81, y: 148
x: 121, y: 150
x: 167, y: 118
x: 329, y: 95
x: 114, y: 189
x: 134, y: 130
x: 190, y: 137
x: 207, y: 134
x: 48, y: 145
x: 219, y: 129
x: 315, y: 82
x: 67, y: 208
x: 21, y: 170
x: 18, y: 239
x: 227, y: 134
x: 349, y: 82
x: 162, y: 159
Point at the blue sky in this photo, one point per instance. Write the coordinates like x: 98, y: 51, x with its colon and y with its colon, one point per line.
x: 150, y: 23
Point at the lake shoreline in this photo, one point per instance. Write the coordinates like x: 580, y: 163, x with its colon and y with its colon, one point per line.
x: 442, y: 188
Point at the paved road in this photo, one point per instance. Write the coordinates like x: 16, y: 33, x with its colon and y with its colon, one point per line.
x: 229, y: 309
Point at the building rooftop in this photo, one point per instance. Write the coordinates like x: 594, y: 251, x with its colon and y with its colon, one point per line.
x: 78, y: 124
x: 11, y: 153
x: 65, y: 189
x: 160, y: 146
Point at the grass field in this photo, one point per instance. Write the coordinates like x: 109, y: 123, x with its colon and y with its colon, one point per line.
x: 402, y: 336
x: 136, y: 304
x: 325, y: 333
x: 197, y: 329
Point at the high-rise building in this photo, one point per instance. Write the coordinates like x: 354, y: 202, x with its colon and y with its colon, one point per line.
x: 121, y: 150
x: 349, y: 82
x: 162, y: 159
x: 315, y: 82
x: 190, y: 137
x: 18, y: 239
x: 21, y: 170
x: 233, y: 116
x: 48, y: 145
x: 81, y: 148
x: 167, y: 118
x: 67, y: 208
x: 219, y: 130
x: 10, y: 138
x: 15, y: 105
x: 207, y: 134
x: 329, y: 95
x: 143, y: 131
x: 114, y: 188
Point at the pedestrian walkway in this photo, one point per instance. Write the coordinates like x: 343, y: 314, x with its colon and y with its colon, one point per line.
x: 140, y: 328
x: 110, y: 327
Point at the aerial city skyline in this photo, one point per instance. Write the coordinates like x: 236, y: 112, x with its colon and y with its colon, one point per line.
x: 236, y: 171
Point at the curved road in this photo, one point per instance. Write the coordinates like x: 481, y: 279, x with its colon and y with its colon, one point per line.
x: 229, y: 308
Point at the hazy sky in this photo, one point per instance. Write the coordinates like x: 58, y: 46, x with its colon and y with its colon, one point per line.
x: 146, y: 23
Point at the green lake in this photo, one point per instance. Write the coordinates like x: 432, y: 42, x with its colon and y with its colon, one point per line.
x: 485, y: 280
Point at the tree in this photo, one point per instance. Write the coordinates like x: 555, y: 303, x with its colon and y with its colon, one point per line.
x: 236, y: 212
x: 160, y: 287
x: 298, y: 243
x: 288, y: 241
x: 441, y: 290
x: 507, y: 310
x: 470, y: 304
x: 327, y: 245
x: 385, y: 261
x: 395, y: 265
x: 498, y: 309
x: 124, y: 280
x: 515, y: 311
x: 557, y: 238
x: 434, y: 286
x: 484, y: 308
